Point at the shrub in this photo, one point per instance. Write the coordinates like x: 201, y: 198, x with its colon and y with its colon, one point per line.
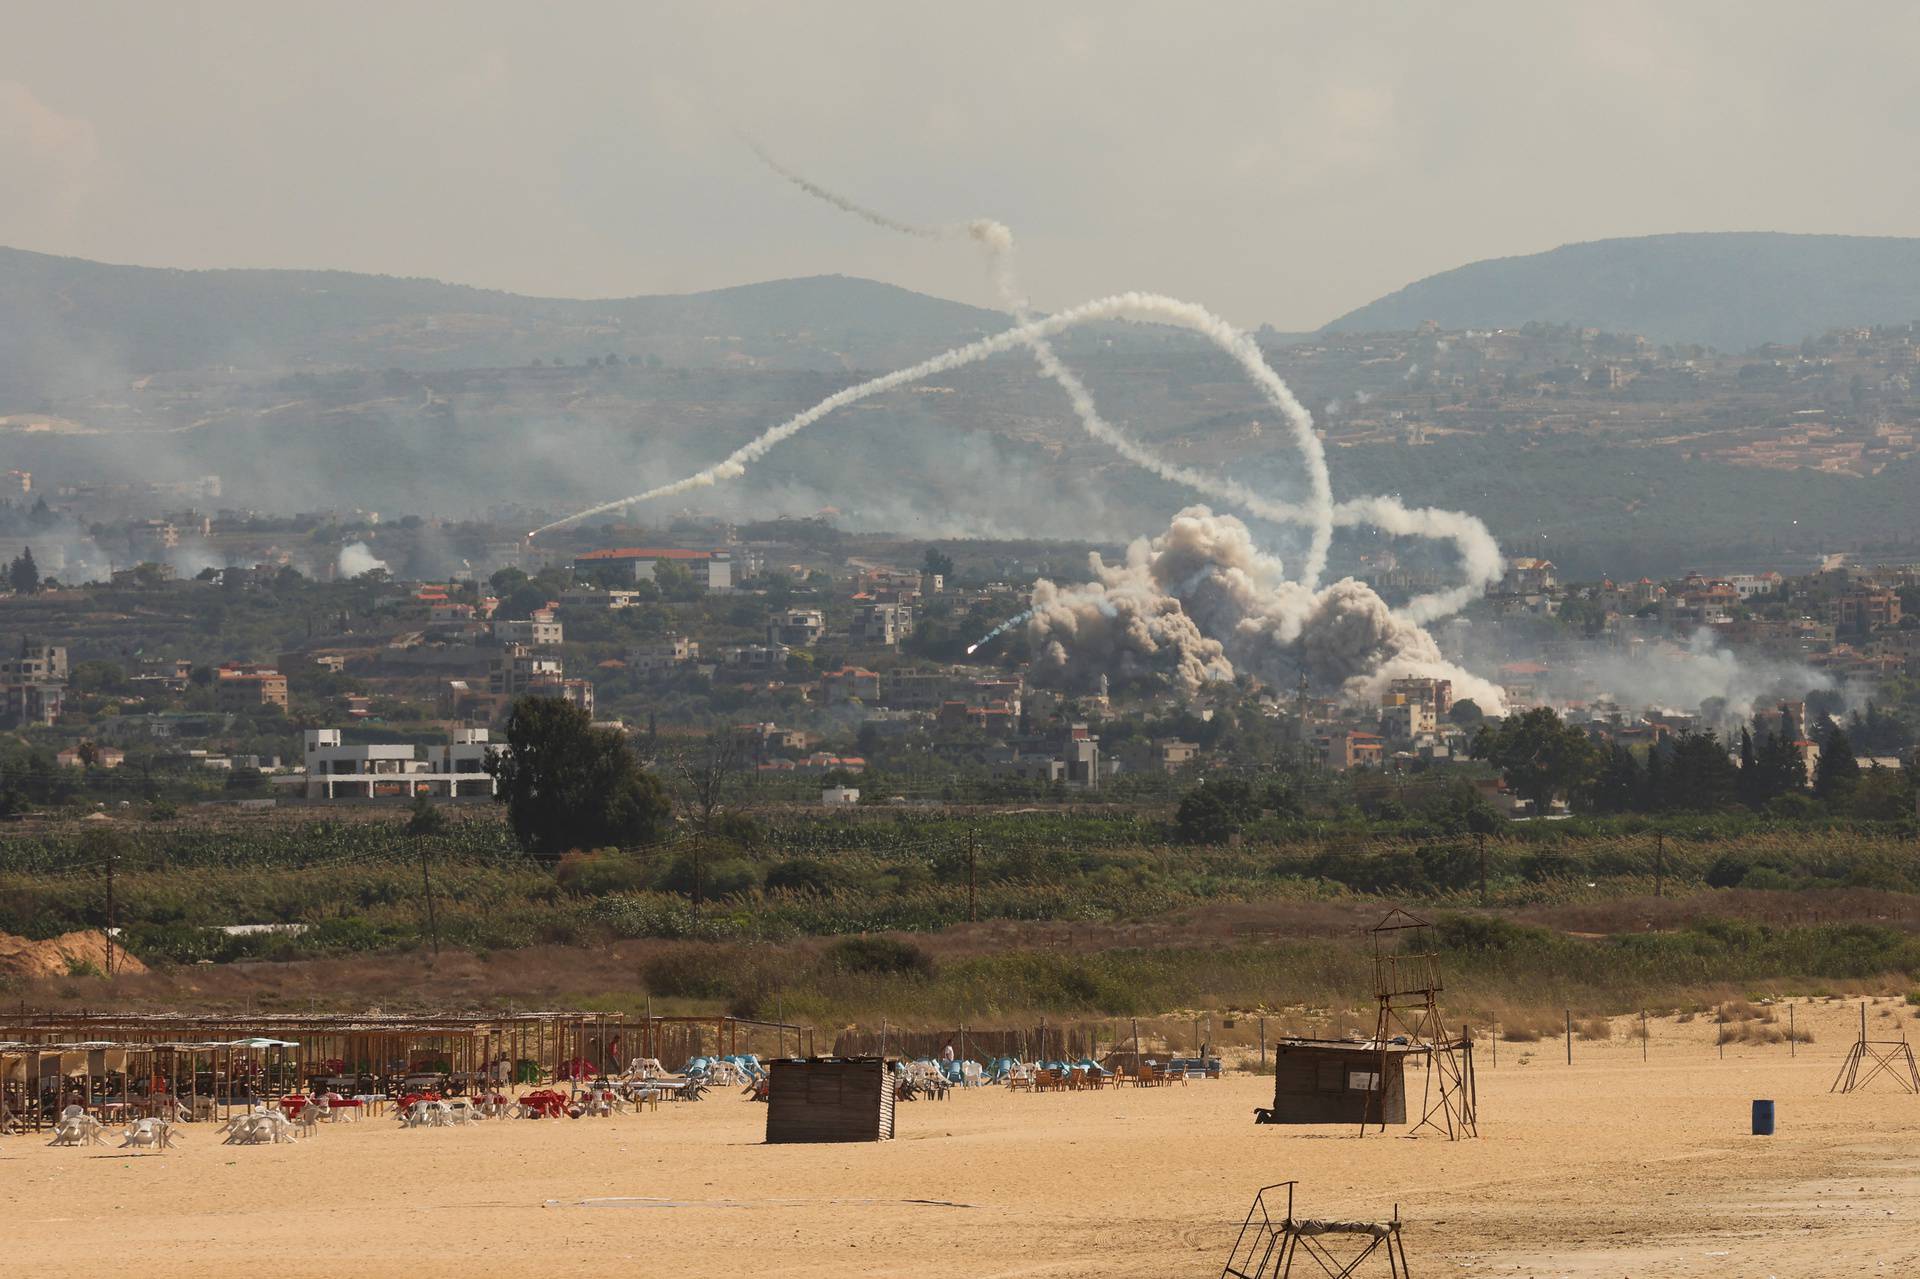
x: 1595, y: 1028
x: 878, y: 956
x: 690, y: 972
x: 803, y: 875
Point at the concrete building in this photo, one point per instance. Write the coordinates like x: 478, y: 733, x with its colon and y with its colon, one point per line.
x: 711, y: 570
x: 880, y: 625
x: 1863, y: 611
x: 34, y: 702
x: 517, y: 668
x: 848, y: 684
x: 1404, y: 721
x: 243, y: 685
x: 335, y: 771
x: 1171, y: 754
x: 1435, y: 693
x: 539, y: 630
x: 757, y: 657
x: 796, y: 627
x: 1346, y: 748
x: 41, y: 663
x: 669, y: 651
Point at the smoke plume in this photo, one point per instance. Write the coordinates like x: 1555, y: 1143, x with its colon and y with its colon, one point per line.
x: 1202, y: 602
x: 357, y: 558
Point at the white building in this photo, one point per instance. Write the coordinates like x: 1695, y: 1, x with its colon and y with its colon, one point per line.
x: 540, y: 630
x: 710, y: 570
x: 334, y: 771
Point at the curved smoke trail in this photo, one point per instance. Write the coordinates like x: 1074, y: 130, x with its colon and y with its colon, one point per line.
x: 1479, y: 553
x: 1150, y: 306
x: 997, y: 240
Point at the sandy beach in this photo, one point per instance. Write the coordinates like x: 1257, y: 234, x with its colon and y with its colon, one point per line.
x: 1612, y: 1166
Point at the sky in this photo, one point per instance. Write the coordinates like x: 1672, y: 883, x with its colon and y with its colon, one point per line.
x: 1279, y: 162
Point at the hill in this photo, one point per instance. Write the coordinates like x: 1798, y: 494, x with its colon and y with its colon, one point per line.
x: 1732, y: 290
x: 68, y: 324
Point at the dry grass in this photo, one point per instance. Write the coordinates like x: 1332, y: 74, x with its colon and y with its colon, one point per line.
x: 1593, y: 1028
x: 1741, y: 1010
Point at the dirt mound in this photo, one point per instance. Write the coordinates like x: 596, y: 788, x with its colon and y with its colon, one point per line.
x: 60, y: 956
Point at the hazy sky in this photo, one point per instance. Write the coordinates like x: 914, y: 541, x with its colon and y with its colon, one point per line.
x: 1280, y: 162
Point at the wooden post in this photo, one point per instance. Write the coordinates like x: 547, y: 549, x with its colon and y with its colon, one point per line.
x: 426, y: 885
x: 1659, y: 863
x: 1720, y: 1038
x: 1480, y: 839
x: 1569, y: 1036
x: 1263, y: 1043
x: 1643, y: 1034
x: 972, y: 875
x: 1792, y: 1047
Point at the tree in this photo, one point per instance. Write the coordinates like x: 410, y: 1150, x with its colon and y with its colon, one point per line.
x: 1780, y: 769
x: 1539, y: 756
x: 568, y: 785
x: 1618, y: 786
x: 23, y: 574
x: 506, y: 580
x: 937, y: 562
x: 1212, y: 812
x: 425, y: 820
x: 674, y: 582
x: 710, y: 776
x: 1466, y: 713
x: 1699, y: 775
x: 521, y: 602
x: 1836, y: 773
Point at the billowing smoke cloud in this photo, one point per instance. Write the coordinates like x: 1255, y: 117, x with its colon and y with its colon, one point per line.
x: 357, y: 558
x: 1202, y: 602
x: 1684, y: 676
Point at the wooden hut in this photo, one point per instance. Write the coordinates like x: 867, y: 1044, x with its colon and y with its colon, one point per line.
x: 1318, y: 1081
x: 830, y: 1099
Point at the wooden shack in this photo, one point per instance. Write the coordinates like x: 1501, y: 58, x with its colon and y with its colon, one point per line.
x: 830, y: 1099
x: 1318, y: 1081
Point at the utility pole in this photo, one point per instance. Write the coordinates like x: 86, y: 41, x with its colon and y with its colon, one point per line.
x: 426, y: 886
x: 1480, y: 840
x: 1659, y: 863
x: 972, y: 876
x: 696, y: 873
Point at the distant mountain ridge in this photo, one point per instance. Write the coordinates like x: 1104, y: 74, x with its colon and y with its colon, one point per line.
x: 66, y: 318
x: 1733, y: 290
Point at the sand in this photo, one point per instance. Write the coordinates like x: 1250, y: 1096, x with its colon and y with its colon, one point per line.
x: 1607, y: 1167
x: 56, y: 956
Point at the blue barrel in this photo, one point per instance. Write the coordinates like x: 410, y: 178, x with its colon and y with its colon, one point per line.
x: 1763, y: 1119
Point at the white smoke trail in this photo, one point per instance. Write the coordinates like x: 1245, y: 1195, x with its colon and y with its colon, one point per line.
x: 842, y: 203
x: 997, y: 240
x: 1148, y: 306
x: 998, y: 631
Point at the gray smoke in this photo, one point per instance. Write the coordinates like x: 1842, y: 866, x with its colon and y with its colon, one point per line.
x: 1203, y: 602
